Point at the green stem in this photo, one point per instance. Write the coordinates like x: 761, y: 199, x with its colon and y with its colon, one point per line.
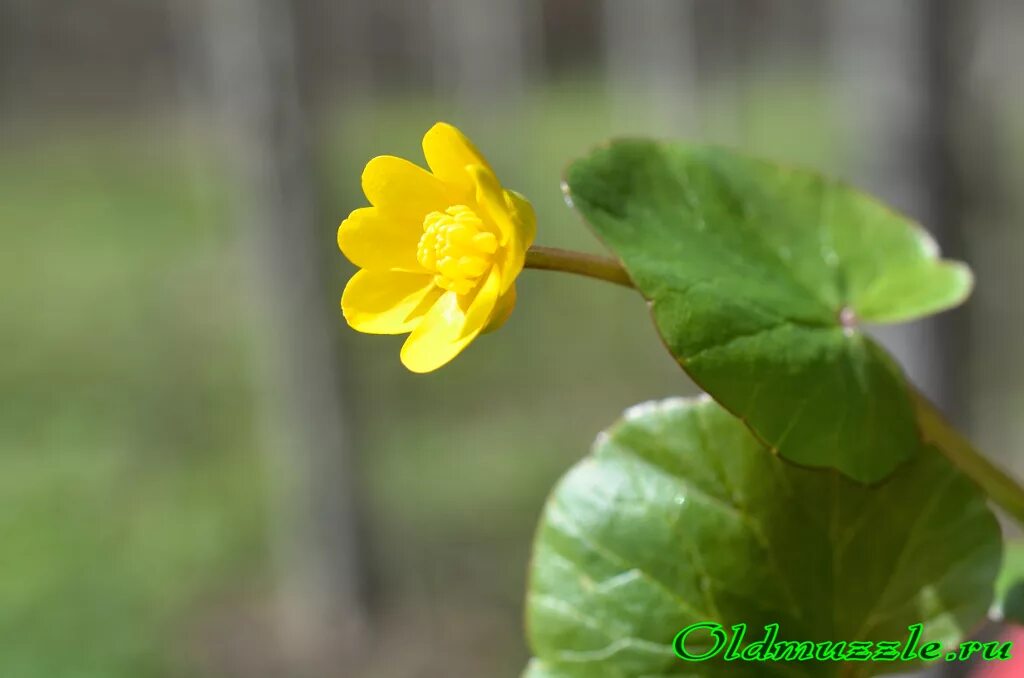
x: 590, y: 265
x: 1001, y: 488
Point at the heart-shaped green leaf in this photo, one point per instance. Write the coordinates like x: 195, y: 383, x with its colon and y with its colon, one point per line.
x: 680, y: 516
x: 758, y: 277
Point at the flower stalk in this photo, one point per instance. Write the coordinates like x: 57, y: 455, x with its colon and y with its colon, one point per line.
x: 580, y: 263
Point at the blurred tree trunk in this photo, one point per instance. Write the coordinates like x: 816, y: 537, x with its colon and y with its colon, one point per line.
x: 483, y: 53
x: 250, y: 46
x: 948, y: 25
x: 996, y: 237
x: 650, y: 49
x: 900, y: 67
x: 723, y: 59
x: 347, y: 68
x: 479, y: 49
x: 15, y: 24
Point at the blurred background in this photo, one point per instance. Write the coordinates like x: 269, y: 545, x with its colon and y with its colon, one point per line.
x: 204, y: 472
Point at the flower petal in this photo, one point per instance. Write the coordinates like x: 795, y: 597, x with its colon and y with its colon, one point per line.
x: 514, y: 255
x: 491, y: 197
x: 523, y: 216
x: 378, y: 241
x: 400, y: 186
x: 515, y: 219
x: 449, y: 152
x: 502, y: 310
x: 386, y: 302
x: 447, y: 328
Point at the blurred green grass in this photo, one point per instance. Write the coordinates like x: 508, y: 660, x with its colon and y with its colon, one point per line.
x: 126, y: 461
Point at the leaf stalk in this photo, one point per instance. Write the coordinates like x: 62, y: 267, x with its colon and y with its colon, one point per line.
x: 1004, y: 490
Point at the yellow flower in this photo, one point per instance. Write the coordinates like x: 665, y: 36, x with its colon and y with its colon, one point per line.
x: 439, y: 250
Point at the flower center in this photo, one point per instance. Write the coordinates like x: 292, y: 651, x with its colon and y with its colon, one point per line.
x: 456, y: 248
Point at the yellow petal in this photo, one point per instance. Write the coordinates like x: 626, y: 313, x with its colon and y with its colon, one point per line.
x: 386, y: 302
x: 502, y: 310
x: 381, y: 242
x: 448, y: 328
x: 515, y: 219
x: 449, y: 152
x: 491, y: 198
x: 400, y: 186
x: 523, y: 216
x: 514, y: 254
